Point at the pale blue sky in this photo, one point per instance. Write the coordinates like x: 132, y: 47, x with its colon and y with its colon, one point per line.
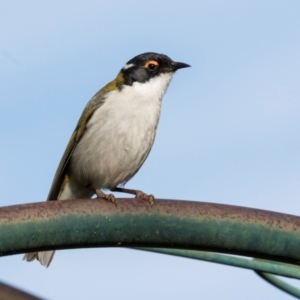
x: 229, y: 129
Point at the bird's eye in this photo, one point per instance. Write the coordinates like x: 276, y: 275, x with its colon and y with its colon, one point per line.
x: 151, y: 65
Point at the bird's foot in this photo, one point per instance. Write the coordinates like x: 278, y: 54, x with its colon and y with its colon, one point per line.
x: 137, y: 193
x: 149, y: 198
x: 100, y: 195
x: 108, y: 197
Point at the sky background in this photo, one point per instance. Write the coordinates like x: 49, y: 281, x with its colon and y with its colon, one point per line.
x: 228, y: 133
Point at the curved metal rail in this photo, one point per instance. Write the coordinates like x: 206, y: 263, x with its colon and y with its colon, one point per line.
x: 258, y: 265
x: 168, y: 224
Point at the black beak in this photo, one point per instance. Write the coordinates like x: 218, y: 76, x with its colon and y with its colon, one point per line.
x: 179, y: 65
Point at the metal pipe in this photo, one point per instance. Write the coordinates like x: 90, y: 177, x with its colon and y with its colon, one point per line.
x: 277, y: 268
x: 168, y: 224
x: 284, y: 286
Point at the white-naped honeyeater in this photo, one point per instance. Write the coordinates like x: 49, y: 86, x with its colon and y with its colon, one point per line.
x: 114, y: 135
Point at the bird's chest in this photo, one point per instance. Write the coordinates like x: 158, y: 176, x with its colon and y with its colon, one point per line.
x: 117, y: 139
x: 127, y: 123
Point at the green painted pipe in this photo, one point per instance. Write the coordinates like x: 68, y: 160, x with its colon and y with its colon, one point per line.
x: 168, y: 224
x: 262, y: 265
x: 280, y: 284
x: 258, y: 265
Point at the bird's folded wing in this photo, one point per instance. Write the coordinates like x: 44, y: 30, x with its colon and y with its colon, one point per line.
x: 62, y: 168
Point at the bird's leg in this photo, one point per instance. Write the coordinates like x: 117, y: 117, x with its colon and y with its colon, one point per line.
x: 101, y: 195
x: 137, y: 193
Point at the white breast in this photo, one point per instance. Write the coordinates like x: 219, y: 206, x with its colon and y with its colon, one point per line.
x: 120, y: 134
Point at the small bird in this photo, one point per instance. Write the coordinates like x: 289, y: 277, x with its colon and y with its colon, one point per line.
x: 114, y: 135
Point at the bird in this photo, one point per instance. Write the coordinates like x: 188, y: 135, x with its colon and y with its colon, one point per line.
x: 114, y: 135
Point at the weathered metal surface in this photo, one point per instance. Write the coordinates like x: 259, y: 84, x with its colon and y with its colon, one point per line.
x: 8, y: 292
x: 169, y: 224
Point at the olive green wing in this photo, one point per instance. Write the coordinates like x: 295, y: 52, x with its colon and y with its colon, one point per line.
x: 98, y: 100
x: 61, y: 173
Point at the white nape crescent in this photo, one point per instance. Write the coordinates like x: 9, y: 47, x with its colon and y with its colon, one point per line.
x: 128, y: 66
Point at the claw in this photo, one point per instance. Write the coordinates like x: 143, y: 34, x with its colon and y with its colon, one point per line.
x: 111, y: 198
x: 108, y: 197
x: 148, y: 198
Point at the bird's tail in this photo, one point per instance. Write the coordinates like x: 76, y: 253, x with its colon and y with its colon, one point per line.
x: 71, y: 190
x: 44, y: 257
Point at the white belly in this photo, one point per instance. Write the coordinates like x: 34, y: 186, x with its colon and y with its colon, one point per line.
x: 118, y: 137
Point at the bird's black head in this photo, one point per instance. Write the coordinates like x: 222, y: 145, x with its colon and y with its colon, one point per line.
x: 145, y: 66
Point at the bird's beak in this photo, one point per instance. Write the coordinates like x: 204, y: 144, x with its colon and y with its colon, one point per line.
x: 179, y: 65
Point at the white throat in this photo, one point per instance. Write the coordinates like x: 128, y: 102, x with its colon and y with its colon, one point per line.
x: 155, y: 88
